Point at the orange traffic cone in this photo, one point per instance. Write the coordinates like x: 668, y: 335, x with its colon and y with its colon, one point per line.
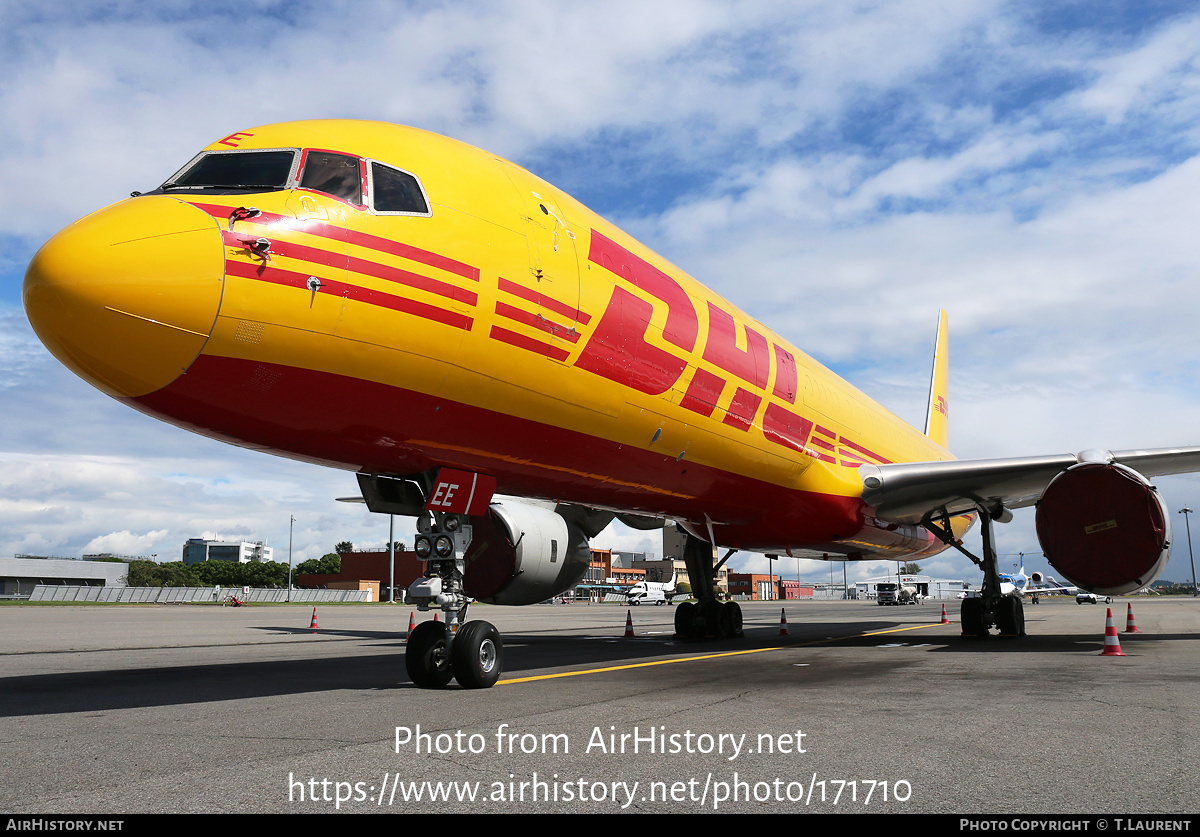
x: 1112, y: 643
x: 1131, y: 623
x: 313, y: 625
x: 412, y: 624
x: 783, y: 629
x: 628, y: 624
x: 945, y: 618
x: 435, y: 617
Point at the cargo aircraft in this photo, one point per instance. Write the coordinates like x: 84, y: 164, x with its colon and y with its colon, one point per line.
x: 490, y: 356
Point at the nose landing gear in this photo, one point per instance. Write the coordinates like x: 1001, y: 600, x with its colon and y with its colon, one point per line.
x: 472, y: 654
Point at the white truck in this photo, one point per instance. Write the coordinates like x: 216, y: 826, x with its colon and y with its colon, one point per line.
x: 892, y: 593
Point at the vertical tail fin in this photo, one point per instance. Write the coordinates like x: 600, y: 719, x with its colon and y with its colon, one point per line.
x: 937, y: 416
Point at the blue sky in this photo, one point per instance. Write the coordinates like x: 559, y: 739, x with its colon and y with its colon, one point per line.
x: 840, y: 170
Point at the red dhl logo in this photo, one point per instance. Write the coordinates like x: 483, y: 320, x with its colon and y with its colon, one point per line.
x: 618, y: 350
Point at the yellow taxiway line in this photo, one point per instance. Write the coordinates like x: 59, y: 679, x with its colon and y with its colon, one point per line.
x: 706, y: 656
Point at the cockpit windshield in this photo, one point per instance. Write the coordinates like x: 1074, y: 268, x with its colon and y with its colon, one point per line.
x: 249, y: 171
x: 339, y: 175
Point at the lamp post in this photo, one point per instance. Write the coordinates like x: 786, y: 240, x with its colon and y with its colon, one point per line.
x: 391, y: 559
x: 1185, y: 511
x: 291, y: 524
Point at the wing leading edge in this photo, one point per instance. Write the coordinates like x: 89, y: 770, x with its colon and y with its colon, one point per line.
x: 909, y: 492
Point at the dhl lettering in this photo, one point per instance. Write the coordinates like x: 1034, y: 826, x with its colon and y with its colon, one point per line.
x: 703, y: 393
x: 753, y: 365
x: 618, y: 349
x: 783, y: 427
x: 682, y: 326
x: 742, y: 409
x: 785, y: 375
x: 940, y: 405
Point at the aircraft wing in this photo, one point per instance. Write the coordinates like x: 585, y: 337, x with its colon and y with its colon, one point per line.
x: 906, y: 492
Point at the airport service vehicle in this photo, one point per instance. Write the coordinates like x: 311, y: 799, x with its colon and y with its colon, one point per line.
x: 891, y: 593
x: 1084, y: 597
x: 488, y: 355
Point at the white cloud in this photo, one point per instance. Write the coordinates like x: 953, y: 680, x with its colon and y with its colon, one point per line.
x: 124, y: 543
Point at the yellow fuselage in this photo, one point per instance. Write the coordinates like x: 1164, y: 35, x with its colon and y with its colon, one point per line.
x: 508, y: 331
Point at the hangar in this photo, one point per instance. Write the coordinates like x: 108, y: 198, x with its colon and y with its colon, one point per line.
x: 19, y: 575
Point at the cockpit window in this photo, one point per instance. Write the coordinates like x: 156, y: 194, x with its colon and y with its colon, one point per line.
x: 250, y: 171
x: 396, y: 192
x: 334, y: 174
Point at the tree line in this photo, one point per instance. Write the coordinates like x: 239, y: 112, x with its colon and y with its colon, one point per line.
x: 226, y: 573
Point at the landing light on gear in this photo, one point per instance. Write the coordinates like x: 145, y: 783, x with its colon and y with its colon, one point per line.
x: 474, y: 654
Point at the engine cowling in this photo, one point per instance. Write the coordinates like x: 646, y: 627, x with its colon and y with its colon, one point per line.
x: 1104, y: 527
x: 522, y: 554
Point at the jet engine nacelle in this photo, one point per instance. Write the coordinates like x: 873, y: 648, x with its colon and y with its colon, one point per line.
x: 522, y: 554
x: 1104, y: 527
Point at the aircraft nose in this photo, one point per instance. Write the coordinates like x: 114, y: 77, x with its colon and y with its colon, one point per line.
x: 127, y: 296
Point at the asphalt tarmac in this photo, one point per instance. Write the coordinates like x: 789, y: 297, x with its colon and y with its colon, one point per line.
x: 860, y: 708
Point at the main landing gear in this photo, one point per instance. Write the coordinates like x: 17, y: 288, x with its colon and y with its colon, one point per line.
x: 706, y: 618
x: 990, y: 608
x: 471, y: 653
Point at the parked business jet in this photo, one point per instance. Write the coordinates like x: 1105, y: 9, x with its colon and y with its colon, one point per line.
x: 1034, y: 586
x: 452, y: 328
x: 651, y: 592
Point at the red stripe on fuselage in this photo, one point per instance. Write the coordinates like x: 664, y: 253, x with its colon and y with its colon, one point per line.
x: 512, y: 338
x: 541, y: 299
x: 537, y: 321
x: 363, y: 425
x: 866, y: 451
x: 302, y: 252
x: 292, y: 279
x: 348, y: 236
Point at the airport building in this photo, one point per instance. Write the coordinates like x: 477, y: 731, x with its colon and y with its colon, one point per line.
x: 927, y: 587
x: 367, y: 569
x: 241, y: 552
x: 754, y: 586
x: 19, y: 575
